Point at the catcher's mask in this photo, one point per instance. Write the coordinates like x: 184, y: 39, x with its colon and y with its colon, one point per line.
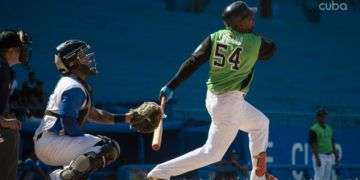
x: 16, y: 39
x: 75, y: 54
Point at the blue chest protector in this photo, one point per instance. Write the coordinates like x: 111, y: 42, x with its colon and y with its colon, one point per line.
x: 69, y: 109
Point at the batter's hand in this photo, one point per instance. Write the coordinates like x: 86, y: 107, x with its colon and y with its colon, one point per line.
x: 318, y: 162
x: 166, y: 92
x: 337, y: 161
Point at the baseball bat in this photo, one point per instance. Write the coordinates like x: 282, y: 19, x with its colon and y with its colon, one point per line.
x: 156, y: 142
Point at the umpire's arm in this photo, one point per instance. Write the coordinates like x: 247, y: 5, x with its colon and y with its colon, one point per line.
x: 198, y: 57
x: 4, y: 97
x: 4, y: 88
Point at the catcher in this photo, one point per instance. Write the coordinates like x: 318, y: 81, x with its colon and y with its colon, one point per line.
x: 58, y: 141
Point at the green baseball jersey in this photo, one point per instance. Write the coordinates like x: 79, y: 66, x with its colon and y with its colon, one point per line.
x: 232, y: 60
x: 323, y: 138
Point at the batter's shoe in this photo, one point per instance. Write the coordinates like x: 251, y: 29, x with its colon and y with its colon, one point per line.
x: 261, y: 167
x: 270, y: 177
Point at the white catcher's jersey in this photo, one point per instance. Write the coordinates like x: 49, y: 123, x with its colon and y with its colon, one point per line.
x: 56, y: 149
x: 65, y: 83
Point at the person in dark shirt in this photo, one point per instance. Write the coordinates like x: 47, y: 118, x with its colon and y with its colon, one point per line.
x: 30, y: 84
x: 31, y: 81
x: 14, y: 49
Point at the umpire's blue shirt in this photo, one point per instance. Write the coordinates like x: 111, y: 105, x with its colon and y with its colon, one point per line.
x: 5, y: 85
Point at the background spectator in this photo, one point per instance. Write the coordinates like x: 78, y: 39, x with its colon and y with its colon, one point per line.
x: 30, y: 83
x: 14, y: 83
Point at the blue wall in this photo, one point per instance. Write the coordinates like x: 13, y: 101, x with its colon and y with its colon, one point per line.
x: 139, y: 46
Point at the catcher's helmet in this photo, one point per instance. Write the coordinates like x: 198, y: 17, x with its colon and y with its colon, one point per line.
x: 237, y: 9
x: 75, y: 54
x: 16, y: 39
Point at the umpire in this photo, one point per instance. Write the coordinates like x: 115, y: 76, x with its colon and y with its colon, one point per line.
x: 14, y: 49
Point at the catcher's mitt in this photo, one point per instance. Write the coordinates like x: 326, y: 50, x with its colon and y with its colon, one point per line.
x: 146, y: 117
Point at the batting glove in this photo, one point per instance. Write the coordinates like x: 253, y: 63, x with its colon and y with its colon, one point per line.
x: 167, y: 92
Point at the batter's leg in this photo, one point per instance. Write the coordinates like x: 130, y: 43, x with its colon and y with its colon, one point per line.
x: 256, y: 124
x: 219, y: 139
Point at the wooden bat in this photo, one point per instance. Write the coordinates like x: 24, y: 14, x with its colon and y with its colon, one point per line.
x: 156, y: 142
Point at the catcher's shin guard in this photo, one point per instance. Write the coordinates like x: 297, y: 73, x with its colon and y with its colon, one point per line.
x: 110, y: 150
x: 82, y: 166
x: 78, y: 168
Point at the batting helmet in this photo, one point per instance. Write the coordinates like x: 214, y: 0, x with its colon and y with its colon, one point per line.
x: 75, y: 54
x: 237, y: 9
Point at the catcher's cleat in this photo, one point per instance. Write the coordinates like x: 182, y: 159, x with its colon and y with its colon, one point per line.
x: 55, y: 175
x: 261, y: 164
x: 270, y: 177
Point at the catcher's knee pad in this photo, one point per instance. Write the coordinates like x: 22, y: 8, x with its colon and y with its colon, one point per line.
x: 110, y: 150
x: 261, y: 167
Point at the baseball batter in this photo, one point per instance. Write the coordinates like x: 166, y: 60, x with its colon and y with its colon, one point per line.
x: 232, y: 53
x: 59, y: 140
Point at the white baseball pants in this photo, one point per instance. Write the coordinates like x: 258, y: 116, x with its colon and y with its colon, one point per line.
x: 324, y: 171
x: 229, y: 113
x: 56, y: 150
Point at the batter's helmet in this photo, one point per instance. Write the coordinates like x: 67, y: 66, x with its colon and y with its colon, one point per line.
x: 237, y: 9
x: 74, y: 54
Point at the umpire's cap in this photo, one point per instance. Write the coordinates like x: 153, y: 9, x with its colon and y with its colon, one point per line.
x: 322, y: 111
x: 9, y: 39
x: 16, y: 39
x: 237, y: 9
